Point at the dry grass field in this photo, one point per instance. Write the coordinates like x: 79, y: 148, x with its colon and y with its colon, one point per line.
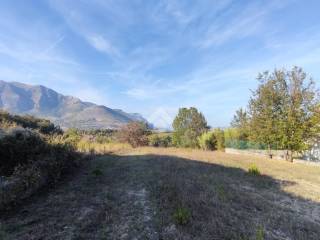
x: 168, y: 193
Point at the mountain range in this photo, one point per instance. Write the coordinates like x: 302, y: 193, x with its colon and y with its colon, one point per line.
x: 66, y: 111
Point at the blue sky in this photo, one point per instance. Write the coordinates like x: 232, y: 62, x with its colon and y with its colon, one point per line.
x: 153, y: 57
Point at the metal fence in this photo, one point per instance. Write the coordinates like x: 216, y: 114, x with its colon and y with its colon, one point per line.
x: 241, y: 144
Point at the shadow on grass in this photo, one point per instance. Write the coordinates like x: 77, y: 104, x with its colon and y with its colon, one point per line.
x: 220, y: 202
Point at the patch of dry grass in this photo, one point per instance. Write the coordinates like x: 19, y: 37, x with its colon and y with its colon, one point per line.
x: 156, y: 193
x: 304, y: 178
x: 102, y: 148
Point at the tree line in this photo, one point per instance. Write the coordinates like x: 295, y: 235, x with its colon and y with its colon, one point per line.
x: 282, y: 114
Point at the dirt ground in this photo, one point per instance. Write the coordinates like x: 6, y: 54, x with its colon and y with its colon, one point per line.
x: 154, y: 193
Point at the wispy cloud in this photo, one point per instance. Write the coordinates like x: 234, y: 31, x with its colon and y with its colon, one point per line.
x: 234, y: 24
x: 102, y: 44
x: 145, y: 55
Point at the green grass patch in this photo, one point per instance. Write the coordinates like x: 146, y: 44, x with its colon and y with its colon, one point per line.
x: 182, y: 215
x: 97, y: 172
x: 254, y: 170
x: 260, y: 233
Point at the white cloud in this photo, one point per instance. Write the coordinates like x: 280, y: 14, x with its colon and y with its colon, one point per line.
x: 102, y: 44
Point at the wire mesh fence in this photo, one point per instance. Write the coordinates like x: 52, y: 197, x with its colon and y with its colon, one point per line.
x: 242, y: 144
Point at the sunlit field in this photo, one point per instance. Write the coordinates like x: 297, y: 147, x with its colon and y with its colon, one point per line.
x: 170, y: 193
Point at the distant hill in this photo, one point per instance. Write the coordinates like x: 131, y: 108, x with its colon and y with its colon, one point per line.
x: 66, y: 111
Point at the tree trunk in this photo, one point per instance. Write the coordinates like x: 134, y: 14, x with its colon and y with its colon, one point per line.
x: 269, y: 151
x: 289, y: 156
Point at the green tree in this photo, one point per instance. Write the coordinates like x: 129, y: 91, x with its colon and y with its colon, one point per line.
x: 266, y: 110
x: 284, y: 111
x: 241, y: 122
x: 188, y: 125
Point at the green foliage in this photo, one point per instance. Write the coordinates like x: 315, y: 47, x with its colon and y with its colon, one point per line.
x: 241, y: 123
x: 101, y: 136
x: 71, y: 136
x: 188, y: 125
x: 182, y: 215
x: 97, y: 172
x: 207, y: 141
x: 282, y: 113
x: 284, y: 110
x: 20, y: 147
x: 134, y: 133
x: 160, y: 140
x: 222, y: 194
x: 234, y: 139
x: 42, y: 125
x: 32, y: 160
x: 254, y: 170
x: 260, y: 235
x: 219, y: 135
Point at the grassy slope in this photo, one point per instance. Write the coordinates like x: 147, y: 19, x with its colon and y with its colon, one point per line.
x: 135, y: 193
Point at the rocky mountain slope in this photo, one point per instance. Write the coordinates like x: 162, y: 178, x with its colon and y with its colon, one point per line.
x: 66, y: 111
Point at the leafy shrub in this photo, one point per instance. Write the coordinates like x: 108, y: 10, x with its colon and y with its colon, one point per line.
x: 44, y: 126
x: 32, y: 158
x: 158, y: 140
x: 207, y: 141
x: 254, y: 170
x: 20, y: 147
x: 182, y: 215
x: 71, y: 137
x: 134, y: 133
x: 219, y: 134
x: 45, y: 169
x: 97, y: 172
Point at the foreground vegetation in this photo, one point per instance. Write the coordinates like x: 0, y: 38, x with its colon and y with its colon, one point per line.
x: 32, y: 156
x: 170, y: 193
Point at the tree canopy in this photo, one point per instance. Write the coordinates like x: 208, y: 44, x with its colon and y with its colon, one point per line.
x: 283, y: 112
x: 188, y: 125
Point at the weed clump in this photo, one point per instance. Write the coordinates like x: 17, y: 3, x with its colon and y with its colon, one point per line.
x: 222, y: 194
x: 254, y: 170
x: 260, y: 233
x: 182, y: 216
x: 97, y: 172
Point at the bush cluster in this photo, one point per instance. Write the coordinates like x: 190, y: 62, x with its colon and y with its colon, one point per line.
x: 43, y: 126
x: 30, y: 160
x: 207, y: 141
x: 134, y: 133
x: 160, y: 140
x: 213, y: 140
x: 19, y: 148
